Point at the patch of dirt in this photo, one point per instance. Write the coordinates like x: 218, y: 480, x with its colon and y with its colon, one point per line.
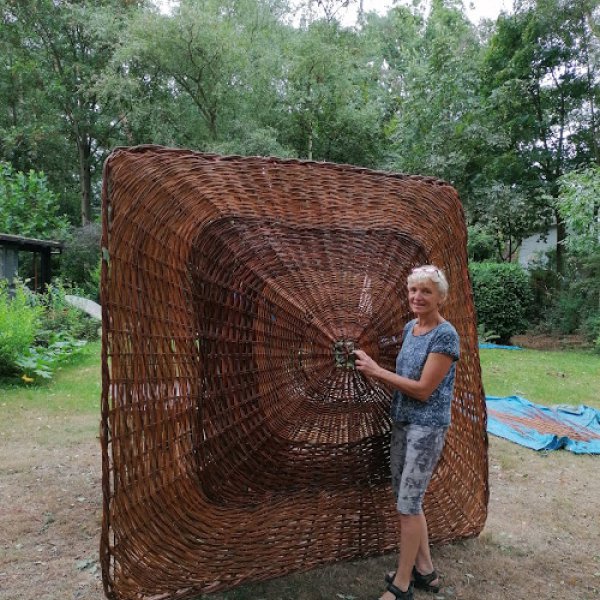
x: 50, y: 513
x: 541, y: 341
x: 541, y: 540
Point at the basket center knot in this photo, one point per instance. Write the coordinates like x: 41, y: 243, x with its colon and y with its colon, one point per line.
x: 343, y: 353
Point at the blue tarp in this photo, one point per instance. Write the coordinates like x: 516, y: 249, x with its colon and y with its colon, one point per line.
x: 490, y: 346
x: 575, y: 428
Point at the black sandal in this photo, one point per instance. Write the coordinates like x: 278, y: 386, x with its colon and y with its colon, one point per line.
x: 422, y: 582
x: 400, y: 595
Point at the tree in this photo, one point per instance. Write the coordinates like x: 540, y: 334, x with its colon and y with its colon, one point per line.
x: 541, y: 88
x: 27, y: 206
x: 579, y: 206
x: 433, y: 76
x: 330, y: 94
x: 62, y: 46
x: 202, y: 60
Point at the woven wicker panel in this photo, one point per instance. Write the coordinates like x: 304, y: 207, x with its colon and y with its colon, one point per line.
x: 238, y: 443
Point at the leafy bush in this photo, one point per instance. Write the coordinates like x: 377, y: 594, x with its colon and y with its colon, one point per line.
x: 564, y: 316
x: 591, y: 328
x: 59, y: 321
x: 578, y: 299
x: 578, y: 302
x: 503, y: 298
x: 40, y: 361
x: 19, y: 320
x: 481, y: 244
x: 80, y: 260
x: 39, y: 331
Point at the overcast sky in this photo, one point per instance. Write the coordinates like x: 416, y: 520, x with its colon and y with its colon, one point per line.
x: 476, y: 9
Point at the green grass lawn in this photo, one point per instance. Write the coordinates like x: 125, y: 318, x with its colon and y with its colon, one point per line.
x: 74, y: 390
x: 74, y: 387
x: 545, y: 377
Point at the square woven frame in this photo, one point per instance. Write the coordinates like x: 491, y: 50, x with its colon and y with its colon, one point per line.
x: 238, y: 442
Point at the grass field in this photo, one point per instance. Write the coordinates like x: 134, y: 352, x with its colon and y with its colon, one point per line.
x: 74, y: 391
x: 545, y: 377
x: 552, y: 377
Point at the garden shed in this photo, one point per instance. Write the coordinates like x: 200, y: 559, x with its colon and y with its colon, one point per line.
x: 42, y: 250
x: 238, y: 442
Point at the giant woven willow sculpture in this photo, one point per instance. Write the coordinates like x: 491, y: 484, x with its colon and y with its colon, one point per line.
x: 238, y: 442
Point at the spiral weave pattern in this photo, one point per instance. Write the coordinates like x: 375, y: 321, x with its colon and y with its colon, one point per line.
x: 238, y: 441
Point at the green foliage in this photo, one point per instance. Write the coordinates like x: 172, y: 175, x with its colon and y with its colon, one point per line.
x: 591, y: 329
x: 60, y: 321
x: 564, y: 315
x: 503, y: 298
x: 510, y: 214
x: 579, y: 296
x: 252, y: 141
x: 73, y: 390
x: 52, y: 54
x: 27, y: 205
x: 330, y: 100
x: 434, y: 84
x: 577, y: 305
x: 481, y: 244
x: 545, y: 285
x: 19, y: 321
x: 39, y: 331
x: 539, y: 81
x: 80, y: 260
x: 579, y: 205
x: 486, y: 336
x: 41, y: 361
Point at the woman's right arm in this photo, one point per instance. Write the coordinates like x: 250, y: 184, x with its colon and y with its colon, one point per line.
x: 435, y: 369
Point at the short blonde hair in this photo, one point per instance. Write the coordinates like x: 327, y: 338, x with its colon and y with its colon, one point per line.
x: 430, y: 273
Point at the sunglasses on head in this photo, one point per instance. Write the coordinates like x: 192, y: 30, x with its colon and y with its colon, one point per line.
x: 429, y: 270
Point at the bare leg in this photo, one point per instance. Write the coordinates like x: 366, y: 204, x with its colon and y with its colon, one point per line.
x: 410, y: 541
x: 423, y: 562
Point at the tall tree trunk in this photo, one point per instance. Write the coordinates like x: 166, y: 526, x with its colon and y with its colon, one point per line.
x: 561, y: 235
x: 85, y: 178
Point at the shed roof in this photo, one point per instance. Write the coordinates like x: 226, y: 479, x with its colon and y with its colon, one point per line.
x: 19, y: 242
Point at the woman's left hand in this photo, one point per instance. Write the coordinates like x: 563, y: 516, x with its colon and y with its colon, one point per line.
x: 365, y: 364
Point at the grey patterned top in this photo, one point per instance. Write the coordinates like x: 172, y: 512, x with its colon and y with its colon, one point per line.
x: 435, y: 412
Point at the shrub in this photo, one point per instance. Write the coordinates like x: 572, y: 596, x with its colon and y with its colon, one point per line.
x: 481, y: 244
x: 591, y: 328
x: 59, y: 321
x: 19, y: 320
x: 80, y: 259
x: 39, y: 331
x: 40, y: 361
x: 576, y: 303
x: 503, y: 298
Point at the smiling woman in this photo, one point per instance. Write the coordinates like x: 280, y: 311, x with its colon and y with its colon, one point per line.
x: 421, y: 411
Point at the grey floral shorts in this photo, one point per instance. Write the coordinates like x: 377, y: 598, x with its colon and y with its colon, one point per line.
x: 414, y: 453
